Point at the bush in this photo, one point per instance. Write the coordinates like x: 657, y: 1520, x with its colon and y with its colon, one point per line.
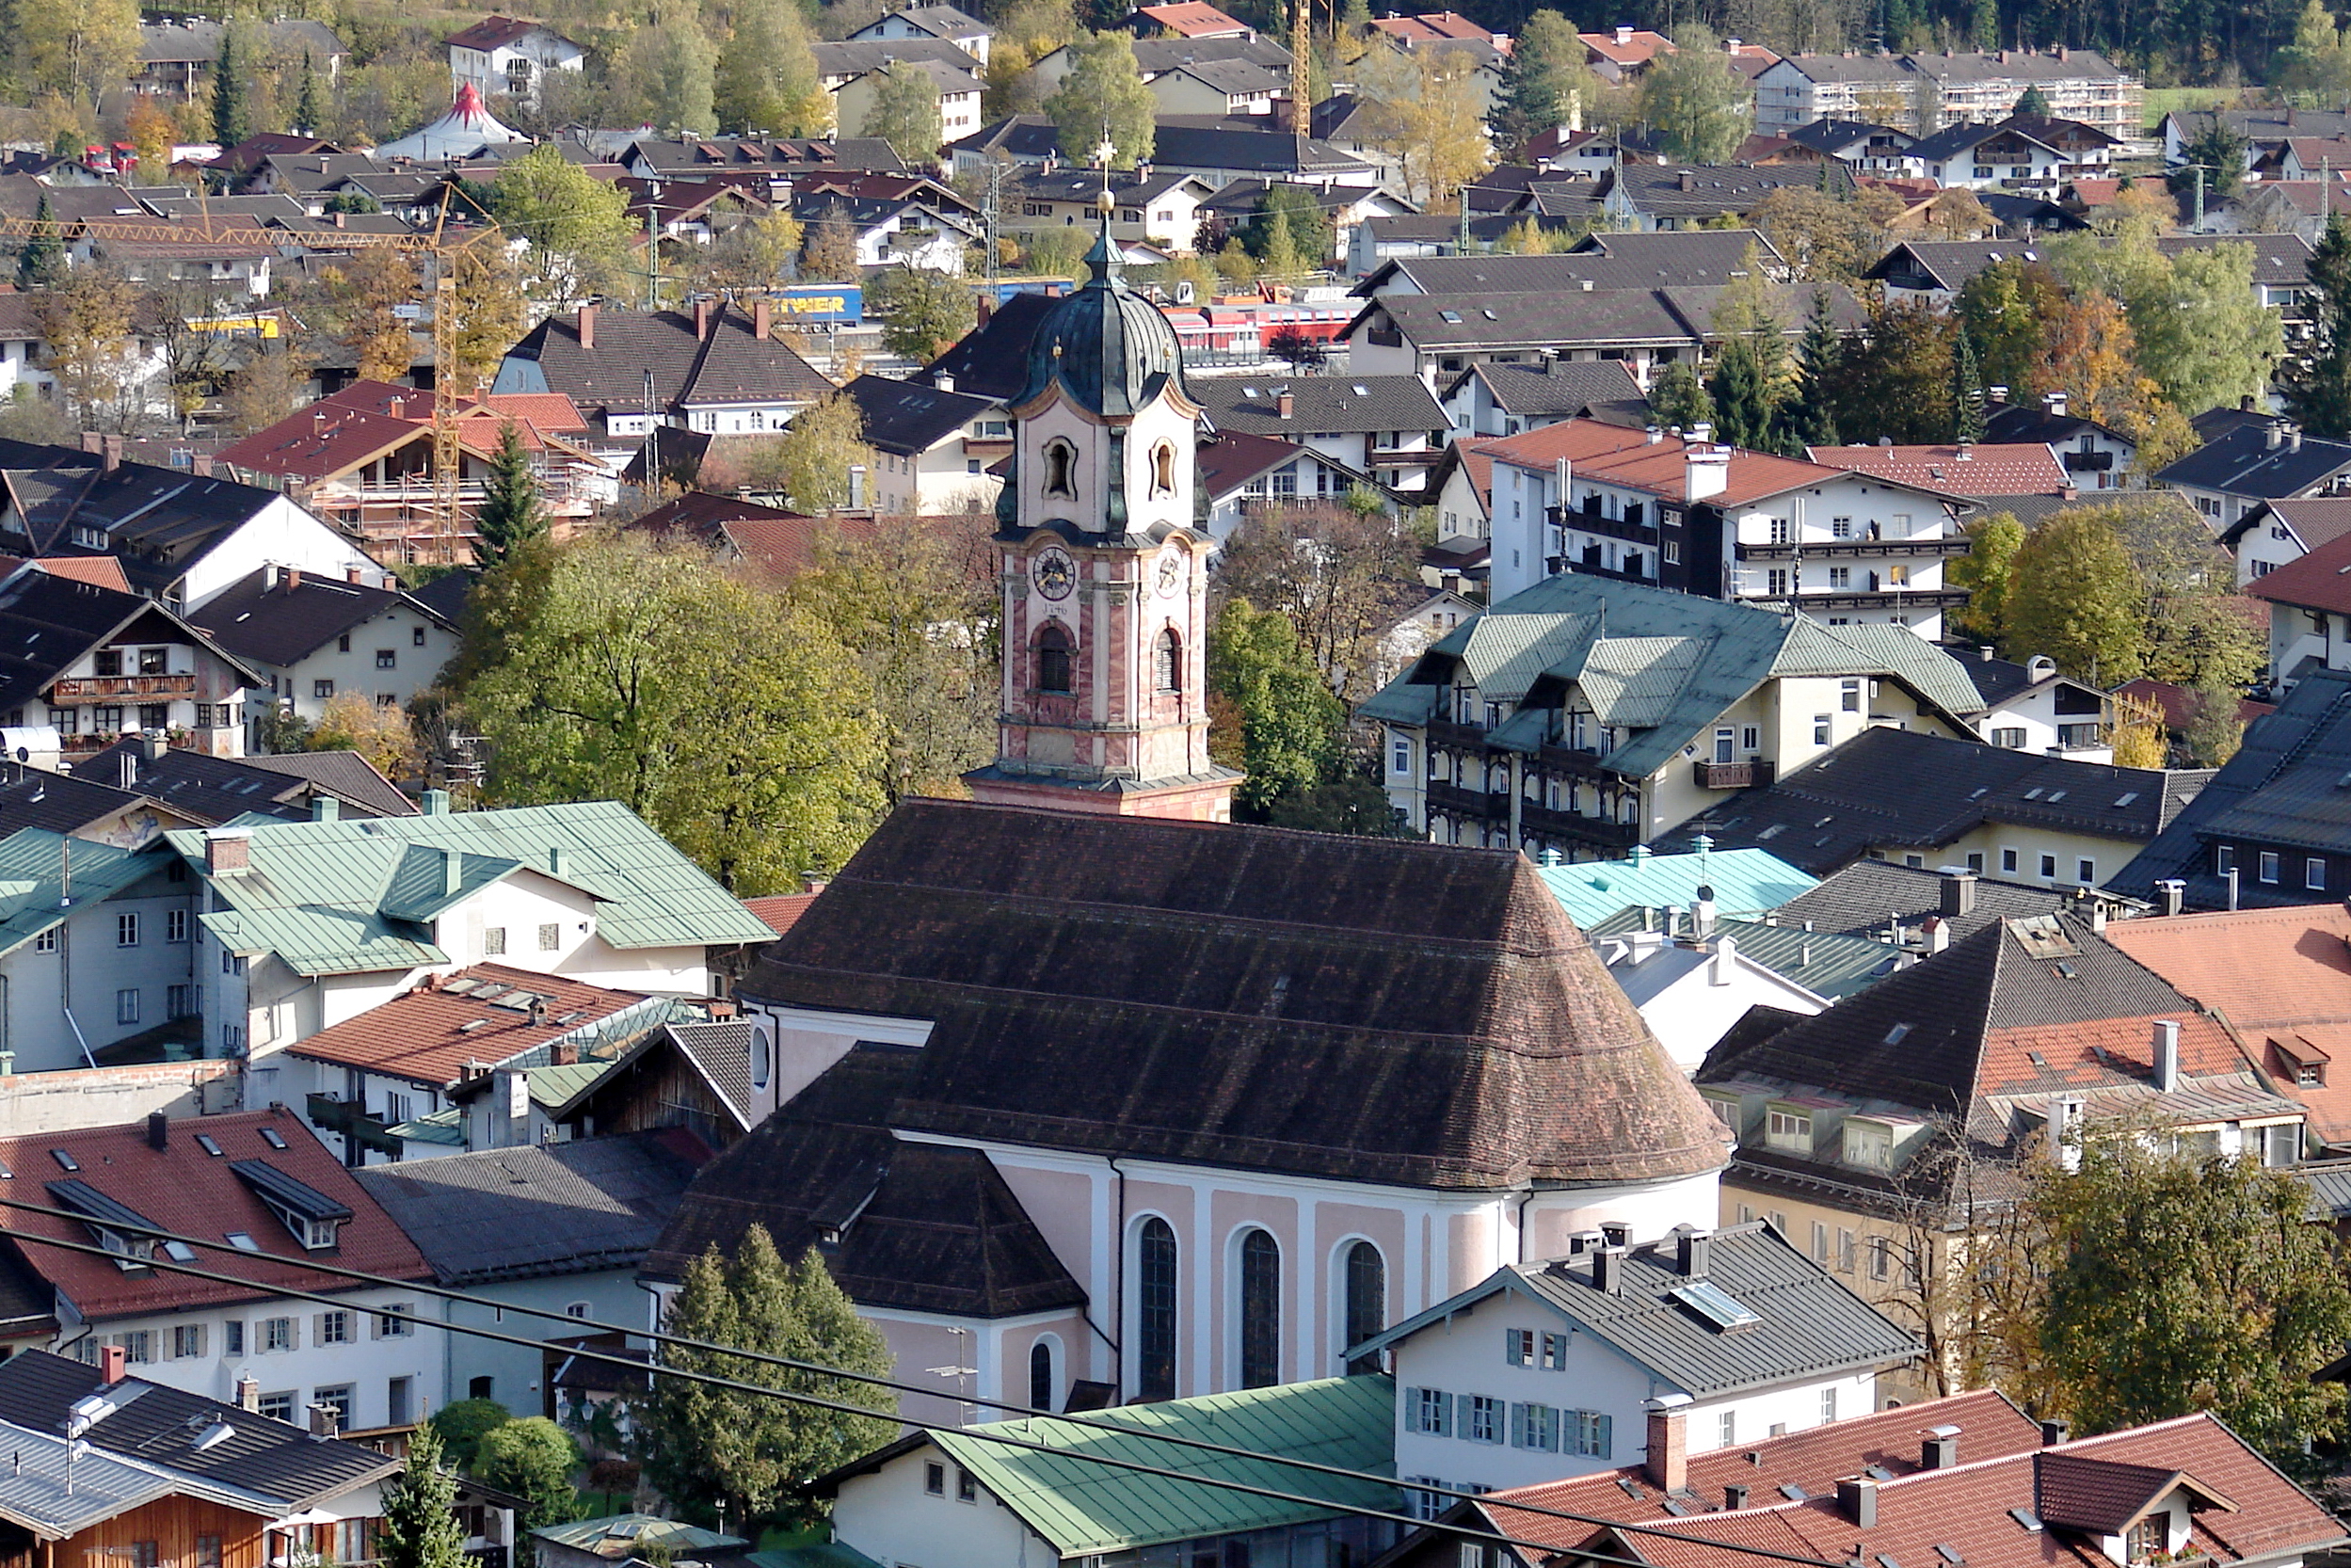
x: 462, y: 1426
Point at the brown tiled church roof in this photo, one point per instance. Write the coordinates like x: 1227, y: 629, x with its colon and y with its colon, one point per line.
x: 1359, y: 1009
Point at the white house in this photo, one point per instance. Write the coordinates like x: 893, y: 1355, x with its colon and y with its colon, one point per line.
x: 312, y: 638
x: 932, y: 446
x: 945, y: 23
x: 1691, y: 993
x: 510, y: 56
x: 2030, y: 706
x: 1549, y: 1370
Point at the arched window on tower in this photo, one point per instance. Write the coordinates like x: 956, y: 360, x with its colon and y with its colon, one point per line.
x: 1260, y: 1310
x: 1060, y: 468
x: 1155, y: 1310
x: 1366, y: 1282
x: 1167, y: 661
x: 1041, y: 1375
x: 1053, y: 667
x: 1163, y: 470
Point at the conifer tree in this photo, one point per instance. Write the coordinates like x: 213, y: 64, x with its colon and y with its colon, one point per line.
x: 37, y: 263
x: 309, y: 107
x: 420, y: 1528
x: 511, y: 514
x: 1810, y: 417
x: 2317, y: 383
x: 229, y: 109
x: 1967, y: 390
x: 1742, y: 396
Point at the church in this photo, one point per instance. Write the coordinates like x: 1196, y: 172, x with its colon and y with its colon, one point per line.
x: 1088, y: 1095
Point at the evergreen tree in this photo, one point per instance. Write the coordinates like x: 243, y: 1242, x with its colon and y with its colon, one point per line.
x: 2317, y: 382
x: 37, y: 262
x: 1678, y: 398
x: 420, y: 1528
x: 1742, y: 396
x: 2031, y: 101
x: 532, y: 1459
x: 1543, y: 82
x: 309, y: 108
x: 1967, y: 390
x: 230, y: 110
x: 714, y: 1446
x: 1810, y: 416
x: 511, y: 514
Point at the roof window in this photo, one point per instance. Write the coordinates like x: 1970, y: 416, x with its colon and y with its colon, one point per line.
x: 1895, y: 1035
x: 2026, y: 1517
x: 242, y: 1241
x: 1715, y: 1305
x: 65, y: 1162
x: 2126, y: 797
x: 2056, y: 796
x: 314, y: 1218
x: 270, y: 1136
x: 208, y: 1144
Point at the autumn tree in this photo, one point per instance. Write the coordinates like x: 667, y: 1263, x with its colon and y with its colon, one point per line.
x: 754, y: 254
x: 766, y: 80
x: 2213, y: 731
x: 353, y: 721
x: 2004, y: 310
x: 2177, y: 1284
x: 271, y: 383
x: 87, y: 318
x: 829, y: 250
x: 1825, y: 239
x: 733, y: 723
x: 1424, y: 108
x: 916, y: 603
x: 1334, y: 571
x: 810, y: 463
x: 578, y: 227
x: 2076, y: 597
x: 1290, y: 214
x: 2316, y: 64
x: 368, y: 291
x: 489, y: 303
x: 2198, y: 332
x: 906, y: 112
x: 923, y: 313
x: 1985, y: 572
x: 1104, y: 98
x: 666, y: 75
x: 75, y: 51
x: 1701, y: 107
x: 744, y: 1453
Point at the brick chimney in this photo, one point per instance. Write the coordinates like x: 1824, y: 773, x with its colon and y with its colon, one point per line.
x: 112, y: 1360
x: 203, y: 465
x: 762, y: 319
x: 587, y: 325
x: 702, y: 320
x: 1666, y: 1458
x: 1285, y: 403
x: 249, y: 1394
x: 323, y: 1421
x: 228, y: 849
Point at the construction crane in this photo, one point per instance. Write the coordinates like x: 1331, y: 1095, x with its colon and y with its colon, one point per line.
x: 443, y: 251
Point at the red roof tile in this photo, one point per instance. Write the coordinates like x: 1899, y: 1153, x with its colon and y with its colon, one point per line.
x: 183, y: 1187
x: 2319, y: 580
x: 2016, y: 467
x: 781, y: 912
x: 429, y: 1035
x: 1640, y: 49
x: 1432, y: 24
x: 102, y: 570
x: 1192, y: 19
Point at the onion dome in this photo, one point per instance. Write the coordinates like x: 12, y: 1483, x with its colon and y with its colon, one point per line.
x: 1110, y: 348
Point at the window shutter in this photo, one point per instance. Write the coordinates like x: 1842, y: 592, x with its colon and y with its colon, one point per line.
x: 1601, y: 1446
x: 1518, y: 1427
x: 1412, y: 1410
x: 318, y: 1328
x: 1509, y: 1347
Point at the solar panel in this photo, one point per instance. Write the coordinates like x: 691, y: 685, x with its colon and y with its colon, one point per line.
x: 1715, y: 1305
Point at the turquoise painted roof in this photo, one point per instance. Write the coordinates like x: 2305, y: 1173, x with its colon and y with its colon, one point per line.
x: 1828, y: 964
x: 1658, y: 667
x: 622, y: 1535
x: 1745, y: 882
x: 445, y: 1126
x: 351, y: 895
x: 1083, y: 1509
x: 33, y: 871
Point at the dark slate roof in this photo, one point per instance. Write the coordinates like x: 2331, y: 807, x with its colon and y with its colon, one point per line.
x: 2279, y: 261
x: 1860, y: 899
x: 992, y: 359
x: 1702, y: 190
x: 2282, y: 789
x: 1678, y: 259
x: 273, y: 617
x: 1947, y: 263
x: 1833, y: 136
x: 1343, y: 404
x: 579, y: 1207
x: 2035, y: 510
x: 59, y: 802
x: 1566, y: 387
x: 48, y: 622
x: 2015, y: 422
x: 345, y: 775
x: 733, y: 366
x: 1892, y: 787
x: 154, y: 1424
x: 2243, y: 462
x: 1807, y: 1324
x: 159, y: 521
x: 855, y: 57
x: 206, y: 788
x: 1603, y: 318
x: 1185, y: 992
x: 722, y: 1053
x: 917, y: 1226
x: 445, y: 595
x: 906, y: 417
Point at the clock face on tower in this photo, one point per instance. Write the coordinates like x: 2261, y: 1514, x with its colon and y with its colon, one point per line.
x: 1054, y: 573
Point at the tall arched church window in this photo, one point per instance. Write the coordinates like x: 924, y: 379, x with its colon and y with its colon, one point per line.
x: 1163, y: 470
x: 1167, y: 661
x: 1367, y: 1302
x: 1155, y: 1310
x: 1260, y: 1310
x: 1041, y: 1375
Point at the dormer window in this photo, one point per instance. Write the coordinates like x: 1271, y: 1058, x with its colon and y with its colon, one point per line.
x: 1868, y: 1146
x: 115, y: 1226
x: 1789, y: 1127
x: 312, y: 1216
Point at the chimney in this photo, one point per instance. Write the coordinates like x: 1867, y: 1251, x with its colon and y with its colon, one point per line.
x: 1940, y: 1449
x: 436, y: 803
x: 293, y: 578
x: 944, y: 381
x: 1958, y: 894
x: 1696, y: 1252
x: 249, y: 1393
x: 1667, y: 1461
x: 1701, y: 432
x: 1733, y: 1498
x: 1285, y: 403
x: 1685, y: 179
x: 1723, y: 964
x: 1608, y: 1270
x: 203, y: 465
x: 1701, y: 912
x: 1937, y: 931
x: 158, y: 1131
x: 112, y: 1359
x: 323, y: 1423
x: 762, y: 319
x: 1653, y: 434
x: 2167, y: 1049
x: 2054, y: 403
x: 399, y: 408
x: 1706, y: 473
x: 324, y: 809
x: 987, y: 309
x: 2174, y: 894
x: 564, y: 1054
x: 452, y: 872
x: 351, y: 575
x: 110, y: 447
x: 1616, y: 1233
x: 228, y: 849
x: 2054, y: 1432
x: 702, y: 320
x: 587, y: 325
x: 1624, y: 34
x: 2232, y: 889
x: 2293, y: 438
x: 2274, y: 435
x: 538, y: 1012
x: 1857, y: 1499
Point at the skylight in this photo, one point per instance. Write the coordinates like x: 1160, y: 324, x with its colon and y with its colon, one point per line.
x: 65, y: 1160
x: 270, y: 1136
x: 179, y: 1251
x: 1452, y: 318
x: 241, y: 1241
x: 204, y: 1140
x: 1949, y: 1554
x: 2126, y: 797
x: 2026, y: 1517
x: 1895, y: 1035
x: 1792, y: 1492
x: 2033, y: 794
x: 1715, y: 1305
x: 2056, y: 796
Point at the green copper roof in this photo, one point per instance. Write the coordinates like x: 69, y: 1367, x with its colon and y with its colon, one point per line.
x: 621, y: 1536
x: 35, y: 866
x: 1745, y: 882
x: 1083, y: 1509
x: 1825, y: 963
x: 352, y: 895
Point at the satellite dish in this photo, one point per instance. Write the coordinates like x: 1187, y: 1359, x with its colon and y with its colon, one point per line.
x: 24, y: 754
x: 1184, y: 291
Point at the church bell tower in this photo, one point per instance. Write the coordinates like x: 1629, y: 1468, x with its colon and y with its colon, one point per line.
x: 1105, y: 707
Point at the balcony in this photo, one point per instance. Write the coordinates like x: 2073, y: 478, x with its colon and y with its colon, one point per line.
x: 1465, y: 802
x: 2089, y: 462
x: 1883, y: 598
x: 1445, y: 732
x: 1615, y: 528
x: 1925, y: 547
x: 1568, y: 763
x: 124, y: 685
x: 1596, y: 831
x: 1732, y: 776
